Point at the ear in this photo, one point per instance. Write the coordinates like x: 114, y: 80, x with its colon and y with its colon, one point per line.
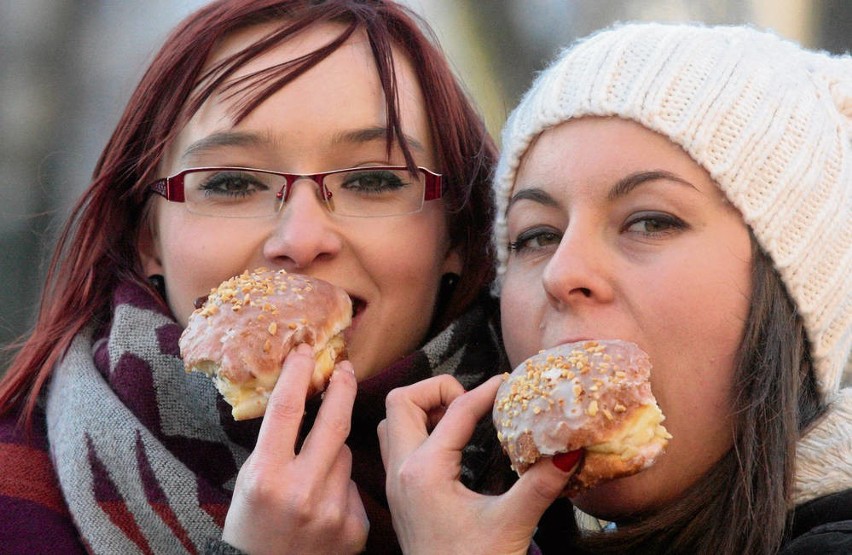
x: 452, y: 261
x: 148, y: 246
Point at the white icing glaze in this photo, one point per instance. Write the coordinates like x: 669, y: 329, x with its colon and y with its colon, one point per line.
x: 572, y: 396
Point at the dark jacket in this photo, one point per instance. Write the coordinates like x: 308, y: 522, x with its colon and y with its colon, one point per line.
x: 822, y: 526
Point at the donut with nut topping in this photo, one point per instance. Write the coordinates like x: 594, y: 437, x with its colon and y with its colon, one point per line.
x: 245, y: 328
x: 590, y: 395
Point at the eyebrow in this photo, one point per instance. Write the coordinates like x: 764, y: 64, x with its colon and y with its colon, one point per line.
x: 223, y: 139
x: 629, y: 182
x: 246, y: 139
x: 369, y: 134
x: 622, y: 187
x: 533, y: 194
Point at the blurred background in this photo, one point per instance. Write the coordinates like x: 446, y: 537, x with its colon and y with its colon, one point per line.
x: 68, y: 66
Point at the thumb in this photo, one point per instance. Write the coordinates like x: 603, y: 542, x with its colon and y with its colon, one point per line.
x: 541, y: 484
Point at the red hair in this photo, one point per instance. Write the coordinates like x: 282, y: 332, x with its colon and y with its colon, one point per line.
x: 98, y: 246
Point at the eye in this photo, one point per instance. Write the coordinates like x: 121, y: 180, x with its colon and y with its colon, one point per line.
x: 535, y: 239
x: 374, y: 181
x: 654, y: 224
x: 231, y: 183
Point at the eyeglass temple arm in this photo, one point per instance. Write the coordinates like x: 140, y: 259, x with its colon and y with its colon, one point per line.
x: 169, y: 188
x: 434, y: 185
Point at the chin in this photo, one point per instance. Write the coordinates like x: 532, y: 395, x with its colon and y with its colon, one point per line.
x: 620, y: 499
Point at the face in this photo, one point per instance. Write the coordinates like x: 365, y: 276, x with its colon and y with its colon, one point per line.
x: 618, y: 234
x: 331, y: 117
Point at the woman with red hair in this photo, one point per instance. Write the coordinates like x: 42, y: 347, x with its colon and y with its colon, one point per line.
x: 106, y: 444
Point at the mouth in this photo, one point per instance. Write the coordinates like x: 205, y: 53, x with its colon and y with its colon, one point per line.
x: 567, y: 340
x: 199, y: 302
x: 358, y: 306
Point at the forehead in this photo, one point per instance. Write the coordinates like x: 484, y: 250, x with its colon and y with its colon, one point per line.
x: 300, y: 44
x: 594, y: 149
x: 341, y: 94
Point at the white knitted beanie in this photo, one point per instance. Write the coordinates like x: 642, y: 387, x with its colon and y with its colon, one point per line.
x: 771, y: 123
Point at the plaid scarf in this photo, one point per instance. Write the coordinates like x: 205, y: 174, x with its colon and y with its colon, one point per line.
x: 147, y: 455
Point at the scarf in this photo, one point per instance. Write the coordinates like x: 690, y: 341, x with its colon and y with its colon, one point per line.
x: 147, y: 455
x: 824, y: 453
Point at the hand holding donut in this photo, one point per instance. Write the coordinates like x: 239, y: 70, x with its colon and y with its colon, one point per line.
x: 286, y: 502
x: 432, y: 511
x: 269, y: 340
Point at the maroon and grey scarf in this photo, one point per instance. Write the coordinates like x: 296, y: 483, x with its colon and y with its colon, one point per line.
x: 147, y: 454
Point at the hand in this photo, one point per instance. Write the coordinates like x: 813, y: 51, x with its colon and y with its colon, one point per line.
x: 305, y: 503
x: 433, y: 512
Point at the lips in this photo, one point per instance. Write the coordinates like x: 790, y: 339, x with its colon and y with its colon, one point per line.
x: 358, y: 307
x: 199, y: 302
x: 567, y: 340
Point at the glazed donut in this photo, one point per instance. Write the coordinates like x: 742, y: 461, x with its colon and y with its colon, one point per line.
x: 590, y: 395
x: 247, y: 326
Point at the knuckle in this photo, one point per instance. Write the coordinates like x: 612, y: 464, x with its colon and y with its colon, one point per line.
x: 338, y: 425
x: 299, y: 504
x: 543, y: 488
x: 255, y: 487
x: 395, y: 397
x: 356, y: 535
x: 284, y: 408
x: 410, y: 475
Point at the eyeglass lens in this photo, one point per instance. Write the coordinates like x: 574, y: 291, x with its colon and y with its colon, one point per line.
x: 364, y: 192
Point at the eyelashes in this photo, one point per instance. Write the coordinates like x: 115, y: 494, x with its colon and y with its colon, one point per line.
x: 535, y: 238
x: 654, y: 224
x: 643, y: 226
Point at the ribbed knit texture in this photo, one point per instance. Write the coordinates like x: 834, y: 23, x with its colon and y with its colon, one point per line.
x: 146, y: 455
x: 768, y: 120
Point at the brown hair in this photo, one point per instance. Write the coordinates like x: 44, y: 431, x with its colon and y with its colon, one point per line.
x: 97, y: 247
x: 740, y: 504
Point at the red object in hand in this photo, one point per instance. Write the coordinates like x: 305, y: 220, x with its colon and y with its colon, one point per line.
x: 567, y: 461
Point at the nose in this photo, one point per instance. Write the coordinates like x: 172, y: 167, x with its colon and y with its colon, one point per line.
x: 304, y: 232
x: 579, y: 271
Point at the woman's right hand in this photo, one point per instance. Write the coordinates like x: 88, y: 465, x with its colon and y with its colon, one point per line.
x: 305, y: 502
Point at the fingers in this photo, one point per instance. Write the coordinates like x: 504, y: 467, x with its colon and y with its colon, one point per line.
x: 333, y: 422
x: 540, y: 485
x: 286, y: 406
x: 453, y: 431
x: 382, y: 432
x: 359, y: 524
x: 408, y: 409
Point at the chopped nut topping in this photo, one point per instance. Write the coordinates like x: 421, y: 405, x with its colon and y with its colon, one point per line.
x: 593, y: 408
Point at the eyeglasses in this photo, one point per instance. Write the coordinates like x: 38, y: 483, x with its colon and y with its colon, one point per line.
x: 366, y: 192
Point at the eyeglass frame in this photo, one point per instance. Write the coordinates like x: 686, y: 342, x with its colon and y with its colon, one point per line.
x: 172, y: 187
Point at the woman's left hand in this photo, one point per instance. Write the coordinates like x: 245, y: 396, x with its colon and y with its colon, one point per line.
x: 433, y: 512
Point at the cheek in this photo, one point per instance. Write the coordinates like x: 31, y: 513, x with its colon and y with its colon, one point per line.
x: 196, y: 258
x: 694, y: 352
x: 519, y: 304
x: 409, y: 253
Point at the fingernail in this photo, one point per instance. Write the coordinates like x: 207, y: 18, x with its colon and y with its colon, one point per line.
x: 567, y: 461
x: 344, y: 366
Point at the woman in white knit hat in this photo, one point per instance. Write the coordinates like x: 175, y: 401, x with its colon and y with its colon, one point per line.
x: 689, y: 189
